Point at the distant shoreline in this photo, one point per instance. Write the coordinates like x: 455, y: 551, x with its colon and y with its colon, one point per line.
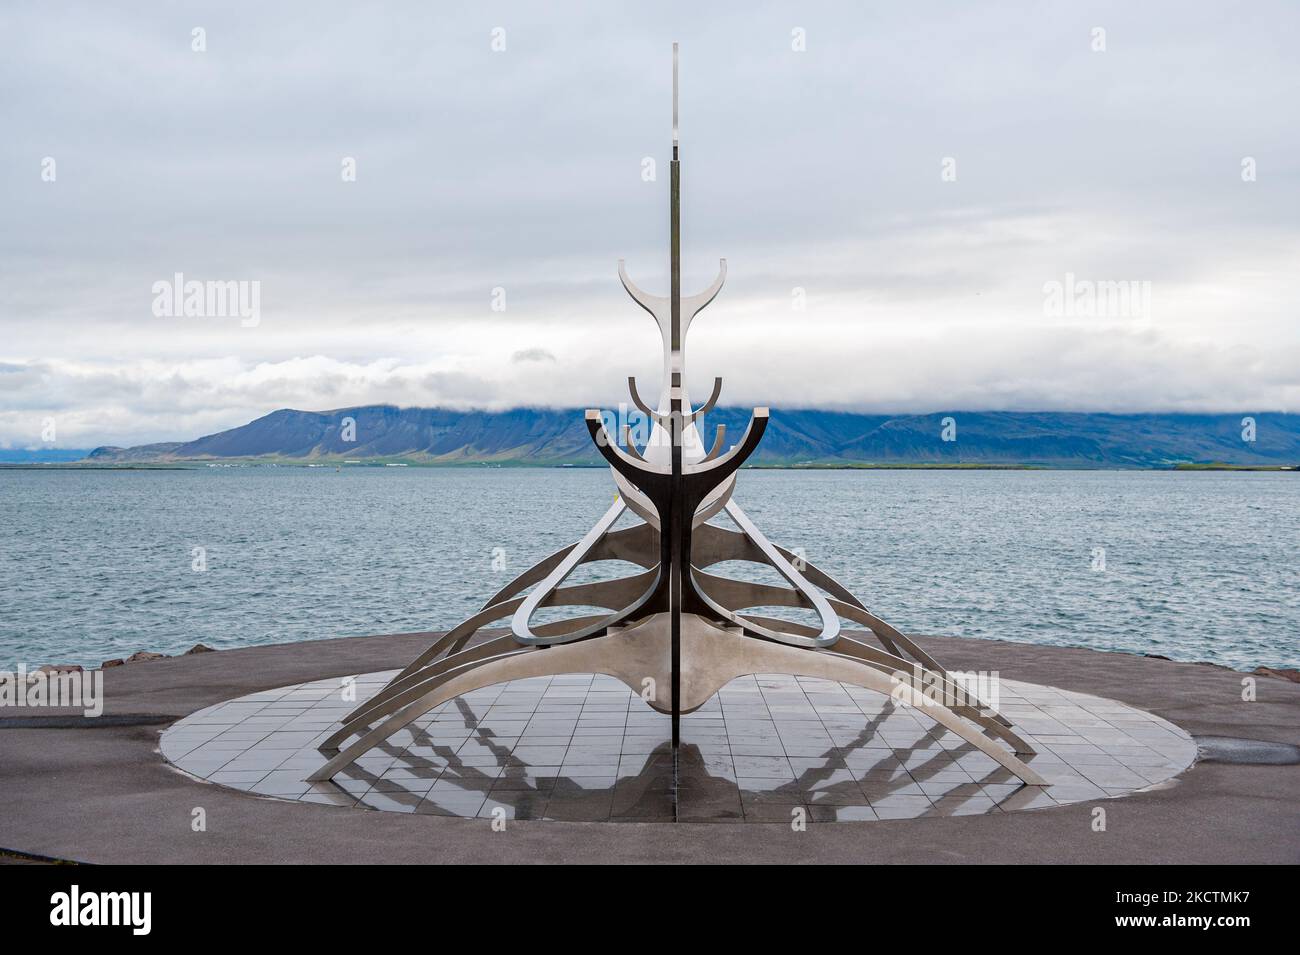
x: 800, y: 438
x: 513, y: 465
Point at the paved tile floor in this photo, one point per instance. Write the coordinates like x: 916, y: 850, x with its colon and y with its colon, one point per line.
x: 767, y: 748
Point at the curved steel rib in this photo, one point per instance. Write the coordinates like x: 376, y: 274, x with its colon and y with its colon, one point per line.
x: 733, y: 459
x: 694, y: 304
x: 645, y: 409
x: 595, y: 593
x: 718, y: 437
x: 630, y: 544
x: 708, y: 405
x: 806, y: 594
x: 628, y: 443
x: 520, y: 623
x: 651, y: 303
x: 619, y: 459
x: 529, y: 577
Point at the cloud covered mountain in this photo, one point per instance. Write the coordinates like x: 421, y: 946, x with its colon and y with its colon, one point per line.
x: 549, y: 437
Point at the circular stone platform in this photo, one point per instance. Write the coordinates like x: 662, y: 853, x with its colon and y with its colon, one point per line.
x: 583, y: 747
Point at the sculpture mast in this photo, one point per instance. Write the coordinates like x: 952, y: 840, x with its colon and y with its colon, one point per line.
x: 675, y: 226
x: 674, y: 485
x: 675, y: 531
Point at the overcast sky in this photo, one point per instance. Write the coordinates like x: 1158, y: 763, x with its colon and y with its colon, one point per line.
x: 823, y: 169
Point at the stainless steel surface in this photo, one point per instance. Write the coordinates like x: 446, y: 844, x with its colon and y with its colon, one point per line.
x: 765, y: 747
x: 673, y: 626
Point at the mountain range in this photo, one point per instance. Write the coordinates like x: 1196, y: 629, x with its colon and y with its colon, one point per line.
x: 795, y: 437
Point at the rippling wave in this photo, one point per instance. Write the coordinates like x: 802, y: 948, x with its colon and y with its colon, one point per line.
x: 98, y: 564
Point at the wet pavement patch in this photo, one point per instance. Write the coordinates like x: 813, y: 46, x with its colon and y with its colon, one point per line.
x: 770, y: 748
x: 1248, y: 752
x: 84, y: 722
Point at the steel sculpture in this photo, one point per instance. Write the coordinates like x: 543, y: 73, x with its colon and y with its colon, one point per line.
x: 674, y: 625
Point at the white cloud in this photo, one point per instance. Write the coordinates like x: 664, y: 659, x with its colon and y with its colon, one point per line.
x: 522, y: 170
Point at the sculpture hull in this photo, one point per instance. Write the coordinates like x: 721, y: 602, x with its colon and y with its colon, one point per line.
x: 673, y: 633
